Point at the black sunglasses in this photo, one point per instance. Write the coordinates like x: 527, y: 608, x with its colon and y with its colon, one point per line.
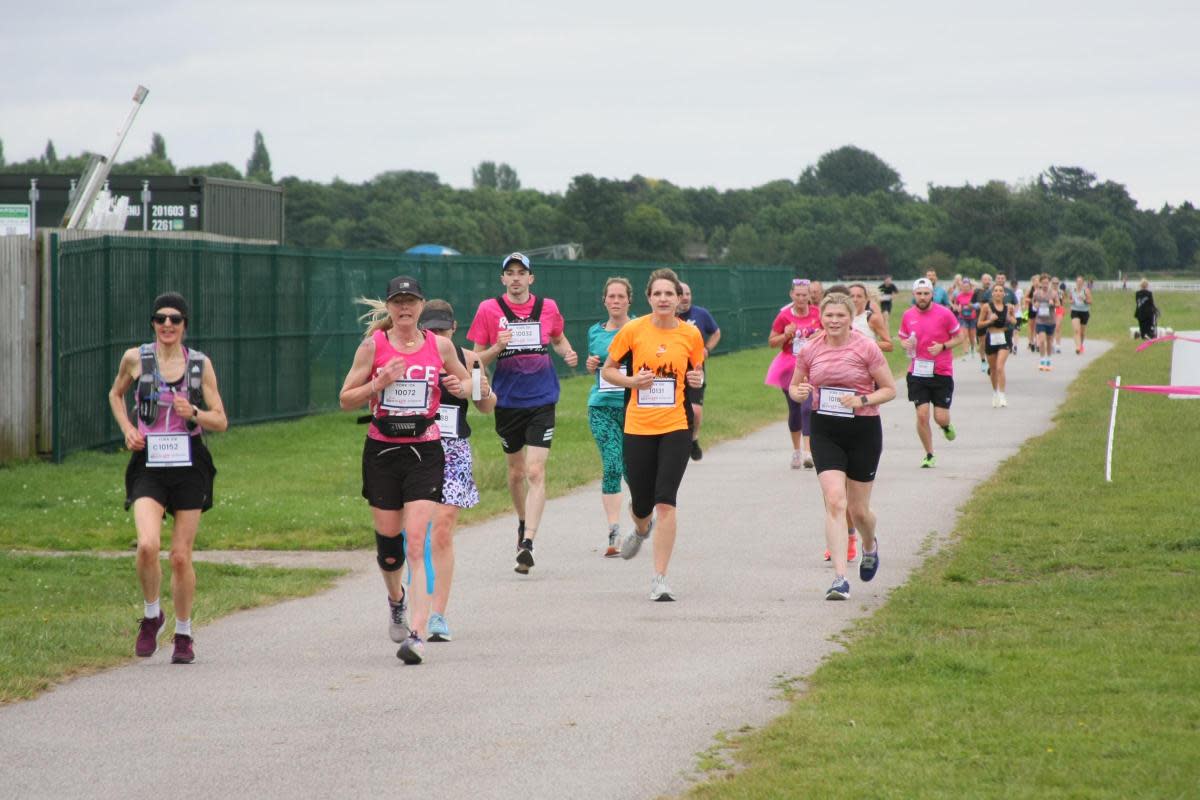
x: 162, y: 319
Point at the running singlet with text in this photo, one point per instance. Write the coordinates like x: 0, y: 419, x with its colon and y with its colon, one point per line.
x: 806, y: 326
x: 415, y: 394
x: 668, y: 354
x: 935, y: 324
x: 521, y: 380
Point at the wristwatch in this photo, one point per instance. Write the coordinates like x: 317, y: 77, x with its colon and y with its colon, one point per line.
x: 863, y: 397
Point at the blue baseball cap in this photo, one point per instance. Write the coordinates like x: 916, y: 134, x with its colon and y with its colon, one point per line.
x: 519, y: 257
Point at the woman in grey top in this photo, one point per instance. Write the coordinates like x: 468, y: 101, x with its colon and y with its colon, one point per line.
x: 1081, y: 311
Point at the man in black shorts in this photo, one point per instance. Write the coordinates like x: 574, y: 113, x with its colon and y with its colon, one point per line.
x: 929, y: 332
x: 887, y: 290
x: 515, y: 330
x: 698, y: 316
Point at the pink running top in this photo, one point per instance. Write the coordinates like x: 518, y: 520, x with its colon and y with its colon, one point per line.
x: 805, y: 326
x: 846, y: 367
x: 406, y: 396
x: 936, y: 324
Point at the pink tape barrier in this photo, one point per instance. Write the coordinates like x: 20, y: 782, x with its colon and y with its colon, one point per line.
x: 1171, y: 338
x: 1188, y: 390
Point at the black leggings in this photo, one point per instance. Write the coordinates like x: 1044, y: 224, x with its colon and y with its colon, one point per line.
x: 654, y: 467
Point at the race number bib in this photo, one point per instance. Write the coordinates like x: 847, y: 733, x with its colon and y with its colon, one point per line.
x: 1043, y: 309
x: 997, y: 339
x: 922, y: 368
x: 525, y: 335
x: 830, y: 401
x: 604, y: 387
x: 406, y: 396
x: 448, y: 421
x: 168, y: 450
x: 797, y: 344
x: 660, y: 393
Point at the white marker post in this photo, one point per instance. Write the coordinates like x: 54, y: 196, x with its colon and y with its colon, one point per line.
x: 1112, y: 426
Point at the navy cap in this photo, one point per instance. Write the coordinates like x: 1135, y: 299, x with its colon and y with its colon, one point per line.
x: 519, y: 257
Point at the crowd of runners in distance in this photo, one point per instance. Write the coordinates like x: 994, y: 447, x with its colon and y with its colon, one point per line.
x: 645, y: 409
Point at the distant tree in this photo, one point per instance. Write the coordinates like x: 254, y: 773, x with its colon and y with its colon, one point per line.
x: 1183, y: 223
x: 863, y: 262
x: 146, y: 165
x: 50, y: 156
x: 221, y: 169
x: 1, y: 152
x: 1156, y: 247
x: 1119, y: 251
x: 158, y: 146
x: 850, y: 170
x: 1074, y: 255
x: 650, y: 235
x: 973, y: 267
x: 939, y: 262
x: 506, y: 179
x: 1069, y: 183
x: 258, y: 168
x: 484, y: 176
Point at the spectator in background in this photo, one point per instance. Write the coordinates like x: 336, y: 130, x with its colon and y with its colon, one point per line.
x: 1145, y: 311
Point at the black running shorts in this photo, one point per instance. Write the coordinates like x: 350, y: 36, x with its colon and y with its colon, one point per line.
x: 936, y: 389
x: 173, y: 488
x: 518, y: 427
x: 851, y: 445
x: 395, y: 474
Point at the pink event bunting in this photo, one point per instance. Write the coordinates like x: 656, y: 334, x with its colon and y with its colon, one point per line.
x: 1188, y: 390
x: 1171, y: 338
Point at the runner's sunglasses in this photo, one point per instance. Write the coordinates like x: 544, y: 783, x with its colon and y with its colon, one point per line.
x: 162, y: 319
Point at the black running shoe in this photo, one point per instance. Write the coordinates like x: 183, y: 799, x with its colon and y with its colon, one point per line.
x: 524, y: 557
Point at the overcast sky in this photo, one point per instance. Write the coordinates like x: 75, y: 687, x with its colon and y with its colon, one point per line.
x: 727, y: 94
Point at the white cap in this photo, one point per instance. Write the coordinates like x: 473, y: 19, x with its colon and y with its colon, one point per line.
x: 922, y: 283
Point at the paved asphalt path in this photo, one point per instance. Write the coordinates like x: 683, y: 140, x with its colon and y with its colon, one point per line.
x: 568, y: 683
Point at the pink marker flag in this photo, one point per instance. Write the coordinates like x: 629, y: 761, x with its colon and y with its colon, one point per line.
x: 1186, y: 390
x: 1171, y: 338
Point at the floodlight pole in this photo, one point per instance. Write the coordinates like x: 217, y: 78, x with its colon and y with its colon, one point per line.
x: 97, y: 176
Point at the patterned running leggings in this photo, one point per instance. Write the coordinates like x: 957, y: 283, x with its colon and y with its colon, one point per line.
x: 608, y: 429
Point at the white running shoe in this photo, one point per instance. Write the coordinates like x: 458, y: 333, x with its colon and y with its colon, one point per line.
x: 808, y: 461
x: 659, y: 591
x: 995, y: 399
x: 1003, y: 401
x: 797, y: 459
x: 633, y: 541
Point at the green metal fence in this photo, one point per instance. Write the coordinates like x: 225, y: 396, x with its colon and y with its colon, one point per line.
x: 280, y: 324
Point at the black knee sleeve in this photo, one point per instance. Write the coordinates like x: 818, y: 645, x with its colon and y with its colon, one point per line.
x: 389, y: 547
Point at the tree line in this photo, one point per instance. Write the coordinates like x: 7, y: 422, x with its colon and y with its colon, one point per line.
x: 849, y: 208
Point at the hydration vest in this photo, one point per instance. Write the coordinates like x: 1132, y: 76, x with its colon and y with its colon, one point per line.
x: 147, y: 394
x: 535, y: 315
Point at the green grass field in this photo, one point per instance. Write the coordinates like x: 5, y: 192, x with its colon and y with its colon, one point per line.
x: 1051, y: 649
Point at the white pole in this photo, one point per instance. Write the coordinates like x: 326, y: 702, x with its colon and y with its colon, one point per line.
x: 1112, y: 426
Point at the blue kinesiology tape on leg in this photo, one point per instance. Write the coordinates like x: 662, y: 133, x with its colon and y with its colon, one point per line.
x: 429, y: 575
